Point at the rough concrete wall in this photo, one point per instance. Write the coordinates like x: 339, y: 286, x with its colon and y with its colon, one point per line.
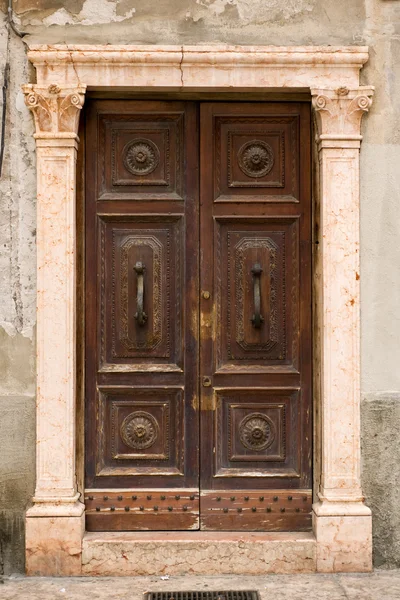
x: 293, y: 22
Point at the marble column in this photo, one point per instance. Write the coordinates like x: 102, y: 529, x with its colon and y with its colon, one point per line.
x: 342, y: 522
x: 55, y: 522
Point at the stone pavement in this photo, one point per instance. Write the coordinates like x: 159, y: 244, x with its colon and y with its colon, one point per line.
x: 379, y: 585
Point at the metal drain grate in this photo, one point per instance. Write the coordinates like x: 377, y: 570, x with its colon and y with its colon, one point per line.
x: 231, y: 595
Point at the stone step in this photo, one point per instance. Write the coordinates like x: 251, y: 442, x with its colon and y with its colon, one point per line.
x: 197, y: 553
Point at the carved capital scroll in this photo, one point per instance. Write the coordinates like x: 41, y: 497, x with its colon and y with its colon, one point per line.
x: 56, y: 109
x: 339, y: 112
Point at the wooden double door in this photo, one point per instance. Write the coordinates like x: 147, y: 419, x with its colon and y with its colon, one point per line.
x: 198, y: 315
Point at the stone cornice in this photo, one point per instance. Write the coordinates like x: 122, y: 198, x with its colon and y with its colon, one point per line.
x: 198, y: 67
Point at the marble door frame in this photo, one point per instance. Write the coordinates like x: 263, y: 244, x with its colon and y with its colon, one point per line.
x: 341, y: 521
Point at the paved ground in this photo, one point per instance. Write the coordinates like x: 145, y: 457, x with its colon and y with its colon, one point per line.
x: 380, y: 585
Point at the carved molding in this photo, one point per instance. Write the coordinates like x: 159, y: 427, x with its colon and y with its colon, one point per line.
x: 134, y: 346
x: 275, y: 274
x: 56, y: 109
x: 339, y: 112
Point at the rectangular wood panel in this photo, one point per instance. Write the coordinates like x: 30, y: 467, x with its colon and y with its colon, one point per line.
x: 256, y: 159
x: 240, y: 245
x: 156, y: 243
x: 143, y: 154
x: 140, y: 432
x: 257, y: 433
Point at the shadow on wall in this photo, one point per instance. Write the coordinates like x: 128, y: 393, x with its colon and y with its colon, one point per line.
x: 17, y: 443
x: 12, y: 542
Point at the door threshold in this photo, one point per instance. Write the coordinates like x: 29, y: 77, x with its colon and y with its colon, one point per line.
x: 197, y: 553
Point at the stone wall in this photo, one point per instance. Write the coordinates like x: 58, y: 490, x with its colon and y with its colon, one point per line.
x: 294, y: 22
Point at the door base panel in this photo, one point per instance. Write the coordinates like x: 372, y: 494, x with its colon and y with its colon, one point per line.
x: 197, y: 553
x: 137, y: 510
x: 215, y: 510
x: 256, y: 510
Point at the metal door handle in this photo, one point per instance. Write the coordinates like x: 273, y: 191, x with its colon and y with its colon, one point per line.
x: 140, y: 315
x: 257, y: 319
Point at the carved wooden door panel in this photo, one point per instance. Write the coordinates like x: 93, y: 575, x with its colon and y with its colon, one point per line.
x: 198, y: 397
x: 255, y: 232
x: 142, y: 247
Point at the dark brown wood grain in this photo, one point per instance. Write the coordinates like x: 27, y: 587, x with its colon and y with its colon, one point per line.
x: 162, y: 510
x: 252, y: 510
x: 141, y: 380
x: 255, y: 203
x: 213, y: 198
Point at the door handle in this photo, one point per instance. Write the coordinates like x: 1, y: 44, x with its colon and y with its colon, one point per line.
x: 140, y: 315
x: 257, y: 319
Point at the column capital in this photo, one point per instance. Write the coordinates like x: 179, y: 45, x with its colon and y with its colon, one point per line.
x: 55, y: 108
x: 338, y: 114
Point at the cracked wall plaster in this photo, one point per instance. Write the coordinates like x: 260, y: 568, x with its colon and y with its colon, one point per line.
x: 94, y: 12
x: 253, y: 12
x: 195, y: 21
x: 17, y: 310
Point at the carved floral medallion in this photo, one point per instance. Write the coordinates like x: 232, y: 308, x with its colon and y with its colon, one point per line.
x: 141, y: 157
x: 256, y: 158
x: 256, y: 431
x: 139, y: 430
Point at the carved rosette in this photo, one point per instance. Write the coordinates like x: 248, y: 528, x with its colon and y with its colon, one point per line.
x: 339, y: 112
x: 139, y: 430
x: 141, y: 157
x: 256, y: 431
x: 56, y: 109
x: 256, y: 158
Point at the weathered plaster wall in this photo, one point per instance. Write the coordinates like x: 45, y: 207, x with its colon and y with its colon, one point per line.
x: 380, y: 282
x: 293, y: 22
x: 17, y: 312
x: 194, y: 21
